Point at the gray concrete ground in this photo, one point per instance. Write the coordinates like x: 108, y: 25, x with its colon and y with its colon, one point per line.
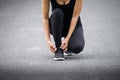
x: 24, y: 54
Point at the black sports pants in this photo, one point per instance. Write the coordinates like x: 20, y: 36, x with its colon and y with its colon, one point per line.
x: 59, y: 27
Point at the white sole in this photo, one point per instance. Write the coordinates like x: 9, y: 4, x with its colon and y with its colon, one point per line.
x: 59, y: 59
x: 69, y: 54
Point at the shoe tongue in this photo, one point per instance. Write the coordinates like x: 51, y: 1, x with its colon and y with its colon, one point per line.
x: 59, y: 50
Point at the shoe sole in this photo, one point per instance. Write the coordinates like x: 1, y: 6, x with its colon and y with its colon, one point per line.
x: 69, y: 54
x: 59, y: 59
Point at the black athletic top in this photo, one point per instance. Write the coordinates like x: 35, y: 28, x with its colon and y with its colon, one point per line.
x: 67, y: 9
x: 68, y: 12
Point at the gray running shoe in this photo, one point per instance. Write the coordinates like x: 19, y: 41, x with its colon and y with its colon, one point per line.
x: 59, y: 55
x: 69, y: 53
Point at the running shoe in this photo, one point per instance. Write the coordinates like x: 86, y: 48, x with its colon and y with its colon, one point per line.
x: 69, y: 53
x: 59, y: 55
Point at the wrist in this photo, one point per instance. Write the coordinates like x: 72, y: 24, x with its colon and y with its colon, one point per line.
x: 68, y: 37
x: 48, y: 39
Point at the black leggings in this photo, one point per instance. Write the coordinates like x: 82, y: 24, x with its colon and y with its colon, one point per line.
x: 59, y: 28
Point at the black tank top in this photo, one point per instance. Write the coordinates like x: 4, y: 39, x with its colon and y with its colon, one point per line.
x: 67, y: 9
x: 68, y: 12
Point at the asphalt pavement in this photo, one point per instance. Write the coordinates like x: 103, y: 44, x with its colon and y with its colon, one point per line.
x: 24, y: 54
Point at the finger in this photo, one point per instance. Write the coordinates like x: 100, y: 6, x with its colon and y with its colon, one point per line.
x: 52, y: 46
x: 62, y: 45
x: 66, y: 49
x: 51, y: 49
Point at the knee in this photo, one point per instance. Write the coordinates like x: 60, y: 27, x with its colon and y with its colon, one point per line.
x: 79, y: 48
x: 58, y: 12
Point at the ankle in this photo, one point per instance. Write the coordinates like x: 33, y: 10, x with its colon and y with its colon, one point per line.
x: 59, y: 50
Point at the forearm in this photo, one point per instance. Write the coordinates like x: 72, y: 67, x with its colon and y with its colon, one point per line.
x: 46, y: 29
x: 76, y: 13
x: 45, y: 18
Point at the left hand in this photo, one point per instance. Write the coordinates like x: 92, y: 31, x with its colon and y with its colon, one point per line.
x: 64, y: 44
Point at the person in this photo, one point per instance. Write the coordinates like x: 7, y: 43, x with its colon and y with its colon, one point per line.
x: 64, y: 22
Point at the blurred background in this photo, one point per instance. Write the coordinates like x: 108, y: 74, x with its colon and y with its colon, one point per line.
x: 24, y: 54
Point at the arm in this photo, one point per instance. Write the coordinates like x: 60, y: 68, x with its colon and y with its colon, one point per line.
x: 76, y: 13
x: 45, y: 17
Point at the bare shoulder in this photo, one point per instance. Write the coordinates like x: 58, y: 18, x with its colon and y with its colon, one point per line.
x: 45, y: 8
x: 77, y: 8
x: 78, y: 3
x: 45, y: 1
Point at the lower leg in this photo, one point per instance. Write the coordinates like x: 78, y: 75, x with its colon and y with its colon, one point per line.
x: 56, y: 25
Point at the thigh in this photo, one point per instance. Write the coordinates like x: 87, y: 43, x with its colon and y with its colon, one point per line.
x: 56, y: 21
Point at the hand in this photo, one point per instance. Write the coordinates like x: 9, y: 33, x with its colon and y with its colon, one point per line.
x: 64, y: 44
x: 51, y: 46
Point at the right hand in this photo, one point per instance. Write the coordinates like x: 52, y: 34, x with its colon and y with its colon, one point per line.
x: 51, y: 46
